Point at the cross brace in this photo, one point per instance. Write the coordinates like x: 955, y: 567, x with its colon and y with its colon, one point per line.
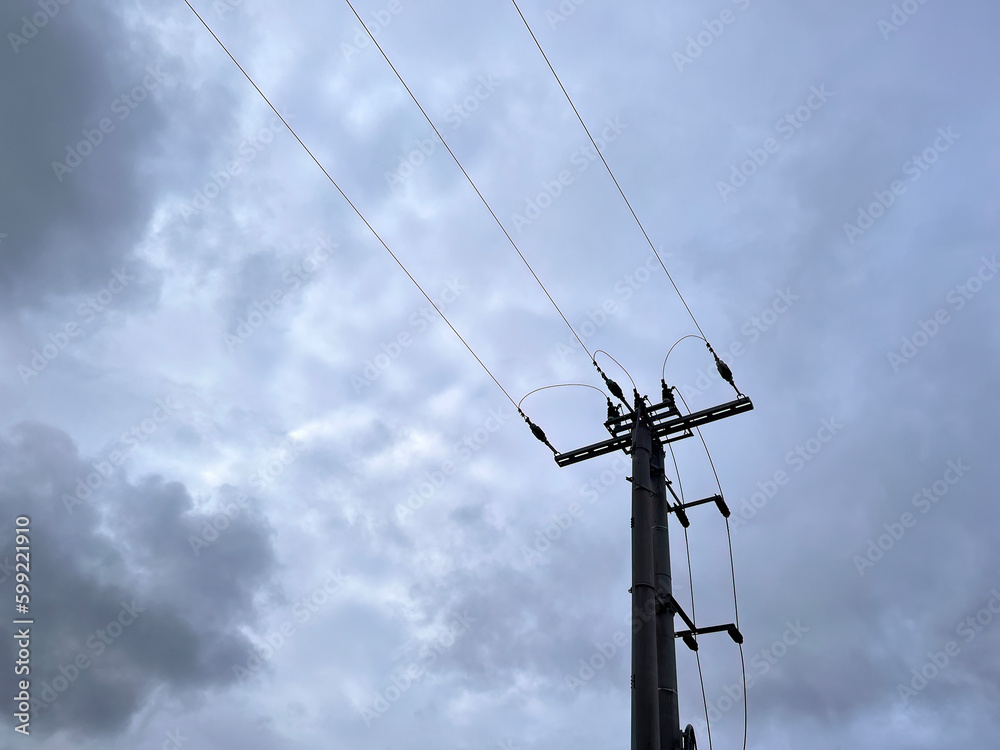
x: 688, y: 635
x: 666, y: 425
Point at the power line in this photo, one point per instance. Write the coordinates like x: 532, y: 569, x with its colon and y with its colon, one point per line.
x: 468, y: 177
x: 536, y: 430
x: 350, y: 202
x: 601, y: 351
x: 687, y: 549
x: 608, y: 167
x: 562, y: 385
x: 732, y: 569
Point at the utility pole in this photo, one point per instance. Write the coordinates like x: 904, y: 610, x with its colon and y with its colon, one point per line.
x: 646, y: 716
x: 666, y: 657
x: 642, y: 433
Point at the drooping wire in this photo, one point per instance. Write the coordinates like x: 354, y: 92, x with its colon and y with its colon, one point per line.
x: 608, y: 167
x: 467, y: 176
x: 725, y: 371
x: 614, y: 412
x: 663, y: 370
x: 561, y: 385
x: 677, y: 473
x: 704, y: 697
x: 601, y: 351
x: 694, y: 618
x: 732, y: 568
x: 349, y: 201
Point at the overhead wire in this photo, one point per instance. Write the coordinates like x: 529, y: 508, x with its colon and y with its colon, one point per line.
x: 350, y: 203
x: 467, y: 176
x: 627, y: 374
x: 561, y: 385
x: 531, y: 270
x: 694, y: 618
x: 608, y: 168
x: 663, y: 370
x: 732, y: 568
x: 420, y: 288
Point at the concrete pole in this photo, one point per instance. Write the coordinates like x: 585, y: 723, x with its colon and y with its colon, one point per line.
x: 666, y: 653
x: 645, y: 713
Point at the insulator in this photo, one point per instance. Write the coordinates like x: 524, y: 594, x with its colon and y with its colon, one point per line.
x: 682, y: 516
x: 724, y: 370
x: 668, y: 395
x: 613, y: 411
x: 616, y: 390
x: 723, y: 508
x: 537, y: 431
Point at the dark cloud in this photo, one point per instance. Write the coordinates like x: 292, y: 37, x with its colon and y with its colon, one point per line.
x: 204, y: 263
x: 122, y: 604
x: 68, y: 231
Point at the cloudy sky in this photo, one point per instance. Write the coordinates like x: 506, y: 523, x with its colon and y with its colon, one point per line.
x: 275, y: 502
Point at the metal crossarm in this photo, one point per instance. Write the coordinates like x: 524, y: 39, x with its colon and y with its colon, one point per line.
x: 622, y: 425
x: 717, y: 499
x: 665, y: 426
x: 688, y: 635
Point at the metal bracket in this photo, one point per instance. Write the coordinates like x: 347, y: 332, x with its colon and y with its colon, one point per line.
x: 688, y: 635
x: 717, y: 499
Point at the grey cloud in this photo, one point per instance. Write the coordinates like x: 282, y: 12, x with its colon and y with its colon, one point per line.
x: 123, y: 559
